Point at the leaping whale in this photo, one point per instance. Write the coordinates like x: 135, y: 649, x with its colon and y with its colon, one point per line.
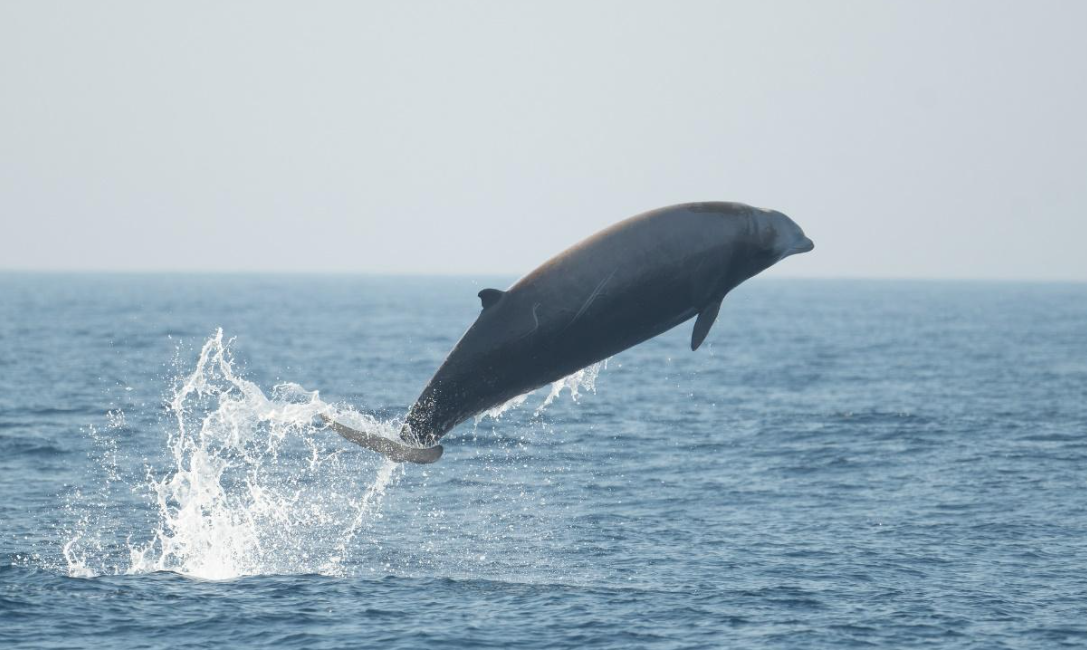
x: 612, y: 291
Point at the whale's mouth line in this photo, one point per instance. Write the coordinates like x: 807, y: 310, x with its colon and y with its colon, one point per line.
x: 805, y: 246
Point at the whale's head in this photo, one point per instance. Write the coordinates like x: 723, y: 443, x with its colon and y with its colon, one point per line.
x: 777, y: 236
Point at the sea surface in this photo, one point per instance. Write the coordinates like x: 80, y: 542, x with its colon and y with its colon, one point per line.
x: 844, y: 464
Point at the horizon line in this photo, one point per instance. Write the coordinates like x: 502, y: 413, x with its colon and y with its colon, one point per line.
x: 495, y: 274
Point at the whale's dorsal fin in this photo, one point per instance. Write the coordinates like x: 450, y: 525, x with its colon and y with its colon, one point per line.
x: 705, y: 321
x: 490, y: 296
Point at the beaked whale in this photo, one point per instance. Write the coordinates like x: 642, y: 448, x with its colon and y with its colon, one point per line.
x: 621, y: 286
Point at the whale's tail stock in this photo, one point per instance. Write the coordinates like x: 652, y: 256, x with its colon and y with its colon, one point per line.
x: 395, y: 450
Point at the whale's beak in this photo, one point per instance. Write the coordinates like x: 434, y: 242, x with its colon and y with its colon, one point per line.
x: 804, y: 246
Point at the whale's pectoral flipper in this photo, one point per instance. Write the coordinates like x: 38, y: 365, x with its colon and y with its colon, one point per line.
x: 490, y: 296
x: 394, y: 450
x: 705, y: 321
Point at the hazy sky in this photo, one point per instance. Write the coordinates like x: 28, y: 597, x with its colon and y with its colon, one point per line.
x: 909, y: 139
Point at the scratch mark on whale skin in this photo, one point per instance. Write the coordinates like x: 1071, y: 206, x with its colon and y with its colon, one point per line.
x: 535, y: 322
x: 535, y: 318
x: 589, y: 301
x: 596, y: 293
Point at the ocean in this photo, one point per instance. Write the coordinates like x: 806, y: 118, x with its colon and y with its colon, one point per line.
x: 843, y: 464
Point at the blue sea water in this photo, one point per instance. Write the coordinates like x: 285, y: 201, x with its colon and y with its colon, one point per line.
x: 844, y: 464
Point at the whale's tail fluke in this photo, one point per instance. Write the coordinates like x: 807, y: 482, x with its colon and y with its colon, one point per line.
x: 394, y: 450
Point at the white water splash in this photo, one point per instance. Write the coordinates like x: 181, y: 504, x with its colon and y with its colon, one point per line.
x: 584, y: 379
x: 497, y: 411
x: 250, y: 484
x: 248, y: 489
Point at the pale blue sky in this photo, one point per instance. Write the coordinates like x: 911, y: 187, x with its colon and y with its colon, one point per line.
x: 909, y: 139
